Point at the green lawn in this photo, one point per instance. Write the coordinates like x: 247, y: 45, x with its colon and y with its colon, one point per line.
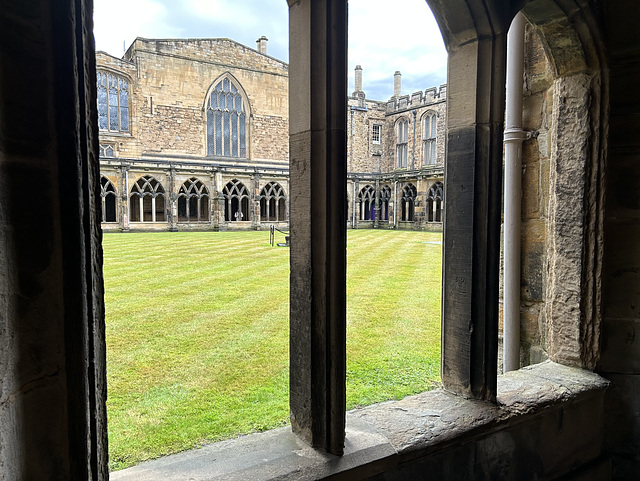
x: 197, y: 332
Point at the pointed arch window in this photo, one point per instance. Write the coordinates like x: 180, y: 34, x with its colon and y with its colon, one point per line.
x: 407, y: 204
x: 429, y: 138
x: 193, y: 201
x: 236, y: 201
x: 367, y: 201
x: 113, y: 102
x: 435, y: 199
x: 273, y: 203
x: 108, y: 196
x: 146, y: 201
x: 226, y: 121
x: 402, y: 142
x: 385, y: 197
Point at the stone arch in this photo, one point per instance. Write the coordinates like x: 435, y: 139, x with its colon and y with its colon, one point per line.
x: 147, y: 200
x: 385, y: 197
x: 236, y: 201
x: 109, y: 197
x: 193, y: 201
x: 408, y: 202
x: 435, y: 201
x: 273, y: 203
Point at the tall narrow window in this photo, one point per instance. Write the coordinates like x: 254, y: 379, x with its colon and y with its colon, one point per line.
x: 226, y: 121
x: 108, y: 196
x: 385, y: 197
x: 375, y: 133
x: 435, y: 199
x: 273, y: 203
x: 193, y: 202
x: 367, y: 201
x: 429, y: 138
x: 236, y: 201
x: 407, y: 203
x: 113, y: 102
x: 402, y: 136
x: 146, y: 201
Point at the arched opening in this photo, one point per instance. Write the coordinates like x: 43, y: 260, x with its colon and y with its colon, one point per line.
x: 108, y: 196
x: 236, y: 202
x: 147, y: 201
x: 193, y: 201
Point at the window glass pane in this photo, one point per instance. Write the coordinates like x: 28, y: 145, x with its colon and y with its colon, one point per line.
x: 243, y: 148
x: 210, y: 130
x: 218, y: 129
x: 227, y: 134
x: 234, y: 134
x: 234, y: 90
x: 225, y: 85
x: 238, y: 106
x: 221, y: 100
x: 124, y: 118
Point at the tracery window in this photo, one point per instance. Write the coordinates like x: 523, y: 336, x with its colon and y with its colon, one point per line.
x: 146, y: 200
x: 385, y: 197
x: 367, y: 201
x: 402, y: 136
x: 113, y: 102
x: 407, y: 203
x: 106, y: 150
x: 273, y: 203
x: 429, y: 138
x: 108, y: 197
x: 193, y: 201
x: 435, y: 198
x: 236, y: 201
x: 226, y: 121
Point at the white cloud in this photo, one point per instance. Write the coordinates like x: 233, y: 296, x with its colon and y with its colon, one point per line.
x: 384, y: 36
x: 119, y: 22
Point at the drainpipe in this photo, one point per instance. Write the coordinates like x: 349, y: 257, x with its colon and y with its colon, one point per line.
x: 513, y: 138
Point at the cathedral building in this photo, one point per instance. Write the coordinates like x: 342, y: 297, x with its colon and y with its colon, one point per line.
x: 194, y: 136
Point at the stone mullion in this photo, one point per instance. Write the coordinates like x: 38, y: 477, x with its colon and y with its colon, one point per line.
x: 472, y: 233
x: 318, y: 73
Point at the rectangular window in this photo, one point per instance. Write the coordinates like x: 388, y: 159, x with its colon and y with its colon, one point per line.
x: 375, y: 133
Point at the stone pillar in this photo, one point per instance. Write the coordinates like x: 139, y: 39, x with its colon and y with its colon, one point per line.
x: 376, y: 222
x: 213, y: 197
x: 172, y: 198
x: 254, y: 201
x: 318, y: 145
x: 471, y: 259
x: 123, y: 198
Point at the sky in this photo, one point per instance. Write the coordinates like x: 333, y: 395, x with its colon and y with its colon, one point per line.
x: 384, y: 35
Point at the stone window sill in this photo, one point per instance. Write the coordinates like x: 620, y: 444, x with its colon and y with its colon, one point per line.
x: 383, y: 436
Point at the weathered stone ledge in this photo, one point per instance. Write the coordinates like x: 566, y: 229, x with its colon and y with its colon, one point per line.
x: 389, y: 434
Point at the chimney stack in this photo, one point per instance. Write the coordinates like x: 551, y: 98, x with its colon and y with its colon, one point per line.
x: 358, y: 78
x: 397, y: 84
x: 262, y: 44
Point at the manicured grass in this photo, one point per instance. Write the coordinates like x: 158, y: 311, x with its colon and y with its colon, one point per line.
x: 197, y: 332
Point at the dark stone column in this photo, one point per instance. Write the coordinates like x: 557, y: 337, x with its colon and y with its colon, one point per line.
x: 52, y: 349
x: 317, y: 122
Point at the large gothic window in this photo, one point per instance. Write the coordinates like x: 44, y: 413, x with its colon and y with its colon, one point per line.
x: 407, y: 204
x: 113, y: 102
x: 146, y: 201
x: 193, y: 202
x: 108, y: 196
x: 435, y: 199
x: 236, y: 201
x: 226, y: 121
x: 273, y: 203
x: 367, y: 201
x: 402, y: 143
x: 429, y: 138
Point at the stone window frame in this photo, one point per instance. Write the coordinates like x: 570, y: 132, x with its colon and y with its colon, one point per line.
x: 211, y: 141
x: 402, y: 142
x: 429, y: 136
x: 107, y: 149
x: 435, y: 202
x: 376, y: 133
x: 121, y: 77
x: 408, y: 202
x: 193, y: 191
x: 367, y: 200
